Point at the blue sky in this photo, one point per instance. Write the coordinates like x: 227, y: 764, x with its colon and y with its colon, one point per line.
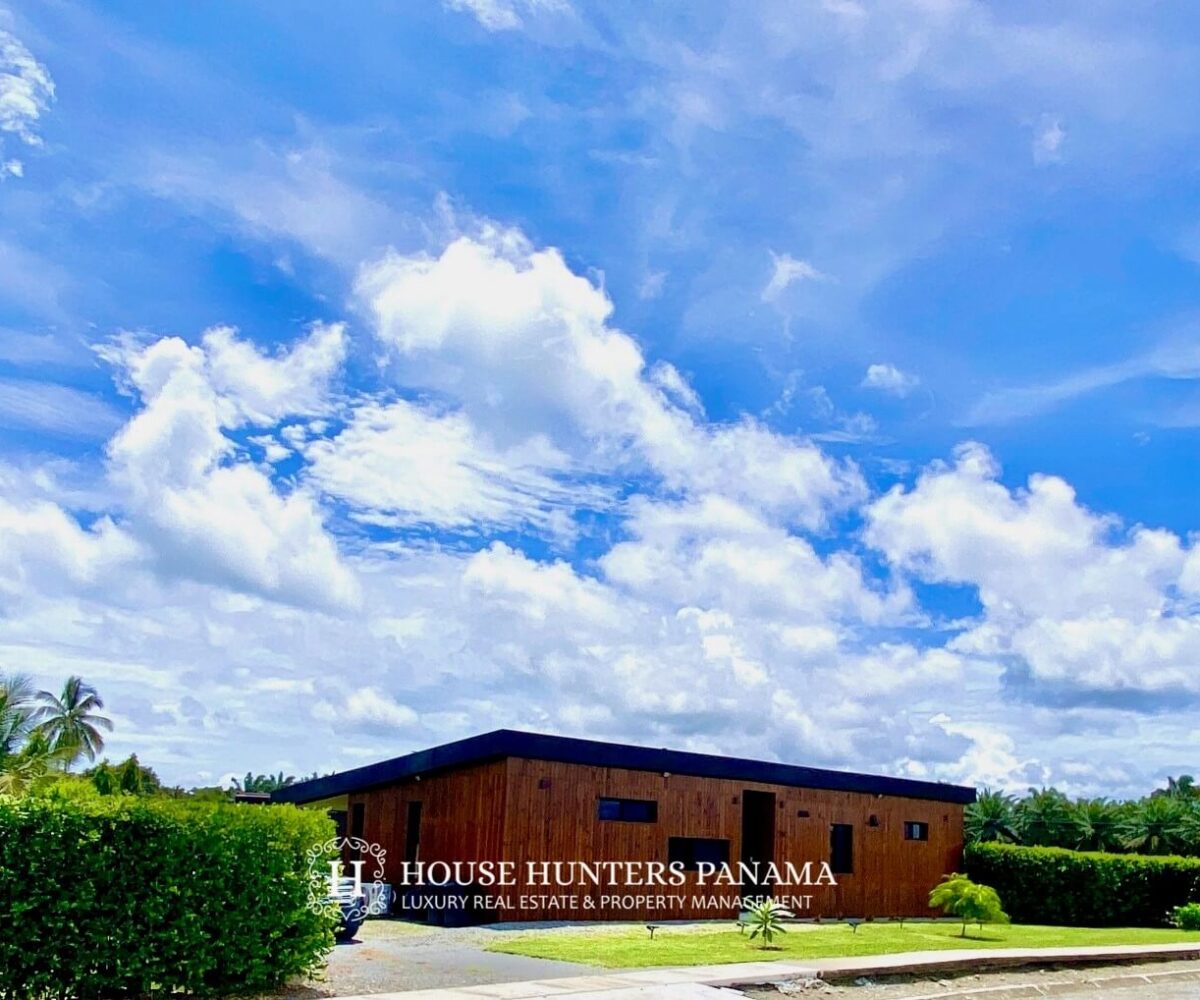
x: 815, y: 381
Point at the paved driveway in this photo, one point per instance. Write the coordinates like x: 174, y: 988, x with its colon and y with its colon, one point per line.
x: 391, y: 956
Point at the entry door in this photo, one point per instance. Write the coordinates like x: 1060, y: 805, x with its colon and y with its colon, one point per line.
x: 758, y: 838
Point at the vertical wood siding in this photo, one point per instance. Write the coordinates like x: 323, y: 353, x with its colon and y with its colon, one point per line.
x: 526, y: 810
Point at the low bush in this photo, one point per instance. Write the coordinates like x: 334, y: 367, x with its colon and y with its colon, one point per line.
x: 1187, y: 917
x: 1051, y: 885
x: 123, y: 897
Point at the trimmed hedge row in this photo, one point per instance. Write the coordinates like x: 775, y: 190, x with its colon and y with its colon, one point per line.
x: 1051, y: 885
x: 119, y: 896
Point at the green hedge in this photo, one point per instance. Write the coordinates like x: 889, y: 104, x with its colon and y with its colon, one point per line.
x: 1050, y: 885
x: 118, y: 896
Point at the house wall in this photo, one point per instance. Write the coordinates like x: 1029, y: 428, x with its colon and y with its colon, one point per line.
x: 462, y: 815
x: 551, y: 815
x: 526, y: 810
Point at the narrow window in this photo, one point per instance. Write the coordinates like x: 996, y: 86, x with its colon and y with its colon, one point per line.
x: 841, y: 849
x: 357, y: 820
x: 691, y: 852
x: 412, y: 832
x: 916, y: 831
x: 627, y: 810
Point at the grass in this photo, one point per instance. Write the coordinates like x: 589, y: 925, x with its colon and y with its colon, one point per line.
x: 631, y: 947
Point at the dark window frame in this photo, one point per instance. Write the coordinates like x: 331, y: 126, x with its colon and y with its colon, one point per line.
x: 614, y: 810
x: 916, y: 830
x: 692, y: 851
x: 841, y: 848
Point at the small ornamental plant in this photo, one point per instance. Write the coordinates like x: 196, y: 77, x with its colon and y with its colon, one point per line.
x: 766, y: 920
x: 1187, y: 917
x: 957, y: 896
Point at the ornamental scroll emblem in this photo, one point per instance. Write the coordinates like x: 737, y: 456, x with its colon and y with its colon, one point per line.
x: 332, y: 883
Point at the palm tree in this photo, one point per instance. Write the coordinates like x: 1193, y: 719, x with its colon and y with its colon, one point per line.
x: 16, y: 713
x: 69, y: 721
x: 1183, y: 787
x: 20, y: 770
x: 990, y: 818
x: 263, y: 782
x: 1095, y: 825
x: 1043, y: 818
x: 1154, y: 826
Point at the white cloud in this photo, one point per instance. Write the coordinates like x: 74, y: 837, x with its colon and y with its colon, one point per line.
x: 718, y: 554
x: 57, y: 409
x: 1176, y: 358
x: 206, y: 512
x: 526, y: 347
x: 368, y: 705
x: 889, y: 378
x: 1086, y: 604
x: 652, y: 284
x: 399, y: 463
x: 26, y: 92
x: 1048, y: 140
x: 264, y: 388
x: 786, y: 270
x: 505, y: 15
x: 299, y: 195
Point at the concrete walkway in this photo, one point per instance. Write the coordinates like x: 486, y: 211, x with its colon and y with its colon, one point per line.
x: 710, y: 982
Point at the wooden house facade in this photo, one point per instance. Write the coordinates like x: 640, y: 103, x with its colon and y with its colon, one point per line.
x: 528, y: 799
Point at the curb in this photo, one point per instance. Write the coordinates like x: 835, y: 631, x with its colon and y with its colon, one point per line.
x: 1013, y: 991
x: 769, y: 974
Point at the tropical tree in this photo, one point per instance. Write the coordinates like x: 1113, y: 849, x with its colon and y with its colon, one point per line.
x: 1156, y: 825
x: 35, y: 759
x: 991, y: 818
x: 1183, y: 787
x: 1045, y: 818
x: 766, y: 920
x: 1095, y: 825
x: 16, y: 713
x: 70, y: 720
x: 263, y: 782
x: 956, y: 895
x: 129, y: 777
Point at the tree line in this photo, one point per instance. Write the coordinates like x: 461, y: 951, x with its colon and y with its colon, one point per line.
x: 44, y: 737
x: 1167, y: 821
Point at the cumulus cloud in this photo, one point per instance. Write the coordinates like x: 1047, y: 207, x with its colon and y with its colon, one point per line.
x: 206, y: 511
x: 348, y: 562
x: 1084, y: 603
x: 890, y: 379
x: 403, y: 464
x: 26, y: 92
x: 526, y: 347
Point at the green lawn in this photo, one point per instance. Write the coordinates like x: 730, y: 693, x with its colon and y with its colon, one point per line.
x: 632, y: 948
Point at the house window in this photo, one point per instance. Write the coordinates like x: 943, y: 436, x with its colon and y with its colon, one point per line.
x: 357, y: 819
x: 627, y: 810
x: 691, y: 852
x: 841, y: 849
x: 915, y: 831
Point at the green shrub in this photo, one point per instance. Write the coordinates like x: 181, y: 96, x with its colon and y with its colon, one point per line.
x: 123, y: 896
x: 959, y: 897
x: 1050, y: 885
x: 1187, y: 917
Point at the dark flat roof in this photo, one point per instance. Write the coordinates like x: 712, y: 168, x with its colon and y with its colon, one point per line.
x: 568, y: 750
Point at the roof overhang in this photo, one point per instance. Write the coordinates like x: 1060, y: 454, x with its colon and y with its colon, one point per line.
x: 568, y: 750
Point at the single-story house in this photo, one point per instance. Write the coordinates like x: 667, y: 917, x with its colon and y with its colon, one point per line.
x: 519, y: 800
